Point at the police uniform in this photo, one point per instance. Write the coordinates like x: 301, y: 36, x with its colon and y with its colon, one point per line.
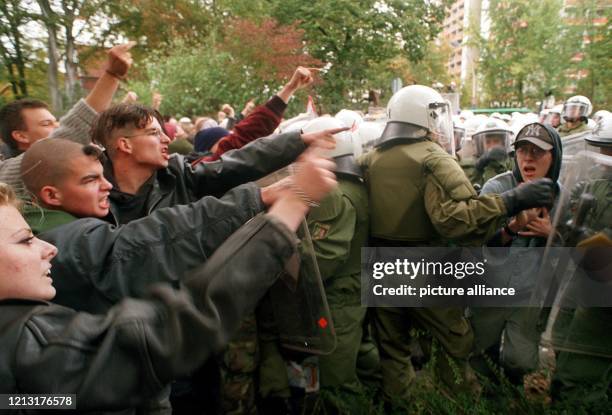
x: 338, y: 228
x: 438, y: 204
x: 584, y: 377
x: 419, y: 196
x: 565, y: 131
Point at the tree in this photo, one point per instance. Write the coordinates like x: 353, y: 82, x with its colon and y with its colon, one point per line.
x: 13, y: 49
x: 52, y: 54
x: 196, y: 81
x: 154, y: 24
x: 351, y: 36
x: 591, y: 67
x: 527, y: 51
x: 268, y: 51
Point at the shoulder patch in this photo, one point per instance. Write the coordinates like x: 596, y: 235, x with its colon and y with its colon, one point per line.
x: 319, y: 230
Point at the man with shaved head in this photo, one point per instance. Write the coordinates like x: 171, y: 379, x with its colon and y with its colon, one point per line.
x: 66, y: 176
x: 99, y: 263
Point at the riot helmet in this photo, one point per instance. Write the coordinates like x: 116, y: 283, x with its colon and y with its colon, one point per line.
x: 344, y: 153
x: 458, y: 132
x: 601, y: 114
x: 554, y: 116
x: 349, y: 118
x: 366, y: 135
x: 601, y: 136
x: 418, y: 112
x: 577, y: 108
x: 492, y: 133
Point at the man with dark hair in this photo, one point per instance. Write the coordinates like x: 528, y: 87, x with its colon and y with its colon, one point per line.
x: 110, y: 262
x: 146, y: 177
x: 24, y: 122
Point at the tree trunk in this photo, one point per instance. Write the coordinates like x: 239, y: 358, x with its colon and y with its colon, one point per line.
x: 71, y: 80
x: 52, y: 51
x: 52, y: 72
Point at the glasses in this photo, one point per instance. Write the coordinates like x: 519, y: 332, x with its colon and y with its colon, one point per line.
x: 154, y: 132
x: 535, y: 152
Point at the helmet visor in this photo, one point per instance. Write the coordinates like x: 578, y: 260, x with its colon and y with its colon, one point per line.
x: 485, y: 141
x: 553, y: 119
x: 440, y: 125
x: 574, y: 110
x: 459, y: 137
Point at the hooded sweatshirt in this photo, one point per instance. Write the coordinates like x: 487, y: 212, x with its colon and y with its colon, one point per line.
x: 525, y: 263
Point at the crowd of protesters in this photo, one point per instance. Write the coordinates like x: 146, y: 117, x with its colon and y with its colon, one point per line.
x: 139, y: 253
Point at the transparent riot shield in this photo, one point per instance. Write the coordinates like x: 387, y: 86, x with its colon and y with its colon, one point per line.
x: 580, y: 288
x: 301, y: 313
x: 572, y: 145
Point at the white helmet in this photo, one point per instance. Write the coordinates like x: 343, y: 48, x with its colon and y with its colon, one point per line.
x: 466, y: 114
x: 296, y: 123
x: 554, y: 116
x: 591, y: 123
x: 366, y: 135
x: 601, y: 114
x: 492, y: 129
x: 601, y: 136
x: 349, y: 118
x: 458, y: 132
x: 471, y: 126
x: 418, y: 112
x: 577, y: 108
x: 344, y: 153
x: 557, y: 109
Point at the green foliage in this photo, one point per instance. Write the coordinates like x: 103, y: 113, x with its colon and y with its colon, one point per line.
x: 195, y: 81
x: 589, y: 28
x: 352, y: 36
x: 527, y: 51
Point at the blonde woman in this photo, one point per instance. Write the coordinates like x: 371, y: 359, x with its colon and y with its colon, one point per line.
x: 119, y: 360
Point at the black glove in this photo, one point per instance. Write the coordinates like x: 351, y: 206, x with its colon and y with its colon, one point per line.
x: 538, y: 193
x: 495, y: 154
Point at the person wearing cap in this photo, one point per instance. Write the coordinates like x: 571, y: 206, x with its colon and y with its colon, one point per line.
x: 419, y: 196
x: 538, y: 154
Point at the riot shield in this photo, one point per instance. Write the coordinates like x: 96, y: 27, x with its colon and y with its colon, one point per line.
x: 302, y: 317
x: 580, y: 288
x: 572, y: 145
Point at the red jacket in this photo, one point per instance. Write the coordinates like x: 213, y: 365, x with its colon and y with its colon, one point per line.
x: 260, y: 123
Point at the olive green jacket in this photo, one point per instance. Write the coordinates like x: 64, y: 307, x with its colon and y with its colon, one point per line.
x: 339, y: 228
x: 564, y: 131
x: 418, y: 193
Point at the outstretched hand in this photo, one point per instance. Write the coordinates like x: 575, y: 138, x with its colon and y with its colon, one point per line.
x: 323, y: 139
x: 119, y: 60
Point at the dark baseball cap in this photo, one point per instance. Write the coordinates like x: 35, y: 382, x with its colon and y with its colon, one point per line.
x: 535, y: 133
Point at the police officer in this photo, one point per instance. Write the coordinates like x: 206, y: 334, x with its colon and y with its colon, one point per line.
x: 419, y: 196
x: 339, y: 228
x: 586, y: 377
x: 554, y: 116
x: 492, y: 142
x: 576, y: 111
